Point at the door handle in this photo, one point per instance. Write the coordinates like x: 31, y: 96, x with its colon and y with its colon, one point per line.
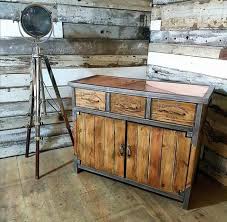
x: 129, y: 152
x: 122, y: 149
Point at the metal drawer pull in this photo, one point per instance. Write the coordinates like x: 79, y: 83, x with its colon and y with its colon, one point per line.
x: 129, y: 152
x: 122, y: 149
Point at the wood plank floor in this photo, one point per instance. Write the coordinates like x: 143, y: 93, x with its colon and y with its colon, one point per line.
x: 62, y: 195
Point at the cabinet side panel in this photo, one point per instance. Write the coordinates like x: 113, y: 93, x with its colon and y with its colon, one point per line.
x: 143, y: 153
x: 90, y: 140
x: 182, y: 158
x: 119, y: 129
x: 80, y: 137
x: 155, y: 157
x: 132, y: 139
x: 109, y: 153
x: 168, y: 159
x: 99, y: 142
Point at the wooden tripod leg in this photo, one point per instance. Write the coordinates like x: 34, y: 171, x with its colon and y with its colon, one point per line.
x: 58, y: 97
x: 30, y: 124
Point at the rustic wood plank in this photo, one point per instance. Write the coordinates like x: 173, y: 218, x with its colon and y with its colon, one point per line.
x: 142, y: 5
x: 154, y: 176
x: 209, y: 37
x: 80, y: 145
x: 194, y: 157
x: 16, y: 148
x: 128, y: 105
x: 109, y: 153
x: 168, y: 160
x: 189, y: 63
x: 78, y: 14
x: 90, y: 140
x: 20, y: 64
x: 164, y: 2
x: 87, y: 31
x: 91, y: 99
x: 190, y: 50
x: 16, y: 135
x: 183, y: 146
x: 132, y: 140
x: 21, y: 108
x: 99, y: 135
x: 119, y: 137
x: 143, y: 156
x: 22, y: 94
x: 16, y: 122
x: 175, y: 75
x: 173, y: 112
x: 76, y: 47
x: 185, y: 15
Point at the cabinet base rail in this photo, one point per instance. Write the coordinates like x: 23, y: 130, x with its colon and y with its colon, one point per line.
x: 182, y: 197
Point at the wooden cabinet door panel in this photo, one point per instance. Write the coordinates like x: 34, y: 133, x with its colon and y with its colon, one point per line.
x: 159, y: 157
x: 98, y: 141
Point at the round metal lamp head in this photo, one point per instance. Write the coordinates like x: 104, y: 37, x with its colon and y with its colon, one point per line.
x: 36, y: 21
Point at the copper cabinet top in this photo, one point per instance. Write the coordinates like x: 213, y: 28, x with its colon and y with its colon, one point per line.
x: 147, y: 88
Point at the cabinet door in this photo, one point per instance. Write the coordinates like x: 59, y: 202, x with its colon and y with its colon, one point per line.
x: 158, y: 157
x: 98, y: 143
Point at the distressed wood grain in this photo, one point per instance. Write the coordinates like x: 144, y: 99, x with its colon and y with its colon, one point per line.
x: 76, y: 47
x: 183, y: 146
x: 78, y: 14
x: 21, y: 64
x: 132, y: 140
x: 173, y: 112
x: 154, y: 175
x: 17, y: 122
x: 81, y: 31
x: 189, y: 50
x: 50, y: 143
x: 194, y: 15
x: 142, y: 5
x: 91, y: 99
x: 176, y: 75
x: 206, y: 66
x: 21, y: 108
x: 210, y: 37
x: 128, y: 105
x: 168, y: 160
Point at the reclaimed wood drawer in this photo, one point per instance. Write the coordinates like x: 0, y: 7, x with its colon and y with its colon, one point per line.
x: 128, y: 105
x: 90, y: 99
x: 173, y: 112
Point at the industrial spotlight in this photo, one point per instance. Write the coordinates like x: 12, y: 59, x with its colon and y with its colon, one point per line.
x: 36, y: 21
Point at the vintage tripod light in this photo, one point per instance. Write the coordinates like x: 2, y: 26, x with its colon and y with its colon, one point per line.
x: 36, y: 21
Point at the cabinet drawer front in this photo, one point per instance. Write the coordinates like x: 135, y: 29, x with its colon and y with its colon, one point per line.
x: 90, y: 99
x: 128, y: 105
x: 173, y: 112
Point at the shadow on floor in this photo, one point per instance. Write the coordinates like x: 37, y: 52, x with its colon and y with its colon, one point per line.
x: 206, y: 192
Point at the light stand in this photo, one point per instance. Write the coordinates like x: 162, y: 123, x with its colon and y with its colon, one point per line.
x: 37, y: 95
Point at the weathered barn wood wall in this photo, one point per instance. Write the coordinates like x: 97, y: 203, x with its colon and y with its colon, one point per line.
x: 98, y: 37
x: 190, y: 46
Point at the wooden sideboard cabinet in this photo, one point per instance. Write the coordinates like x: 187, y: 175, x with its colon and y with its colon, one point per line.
x: 143, y: 133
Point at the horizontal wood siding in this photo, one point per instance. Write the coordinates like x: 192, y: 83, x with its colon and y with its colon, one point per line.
x: 99, y: 37
x: 190, y: 47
